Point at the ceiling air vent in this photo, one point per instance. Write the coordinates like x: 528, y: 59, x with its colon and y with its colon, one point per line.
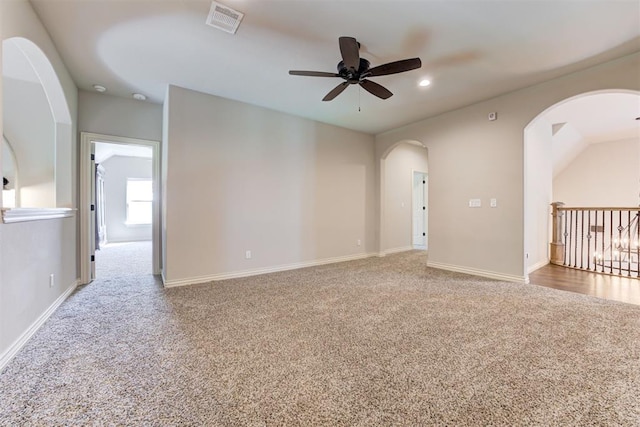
x: 224, y: 18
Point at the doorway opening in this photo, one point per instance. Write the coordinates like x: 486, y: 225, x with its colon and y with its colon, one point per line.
x: 584, y: 152
x: 123, y: 215
x: 119, y: 207
x: 420, y: 211
x: 403, y: 217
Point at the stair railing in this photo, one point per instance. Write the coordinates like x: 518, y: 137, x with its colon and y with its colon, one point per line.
x: 603, y: 239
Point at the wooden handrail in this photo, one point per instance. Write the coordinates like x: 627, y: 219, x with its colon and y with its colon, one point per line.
x: 598, y: 208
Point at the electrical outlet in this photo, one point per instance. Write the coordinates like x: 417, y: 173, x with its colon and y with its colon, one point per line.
x: 52, y: 280
x: 359, y: 242
x: 494, y: 203
x: 247, y: 255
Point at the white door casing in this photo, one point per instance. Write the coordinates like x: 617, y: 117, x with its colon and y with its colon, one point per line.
x: 87, y: 187
x: 420, y: 210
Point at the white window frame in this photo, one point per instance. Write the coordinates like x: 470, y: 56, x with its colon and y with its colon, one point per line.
x: 130, y: 222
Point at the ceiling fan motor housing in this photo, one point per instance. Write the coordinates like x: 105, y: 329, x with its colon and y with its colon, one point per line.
x: 353, y: 76
x: 355, y: 70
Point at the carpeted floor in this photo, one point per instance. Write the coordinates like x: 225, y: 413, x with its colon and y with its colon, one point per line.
x: 124, y: 259
x: 380, y: 341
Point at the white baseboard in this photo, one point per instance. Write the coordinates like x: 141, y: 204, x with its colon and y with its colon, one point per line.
x: 395, y: 250
x: 537, y: 265
x: 14, y: 348
x: 164, y: 279
x: 478, y: 272
x: 255, y: 272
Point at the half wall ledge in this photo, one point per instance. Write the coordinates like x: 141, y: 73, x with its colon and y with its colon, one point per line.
x: 35, y: 214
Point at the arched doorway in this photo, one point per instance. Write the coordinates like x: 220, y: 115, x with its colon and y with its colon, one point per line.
x: 585, y: 151
x: 403, y: 197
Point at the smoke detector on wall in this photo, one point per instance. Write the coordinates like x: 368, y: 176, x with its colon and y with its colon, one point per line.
x: 224, y: 18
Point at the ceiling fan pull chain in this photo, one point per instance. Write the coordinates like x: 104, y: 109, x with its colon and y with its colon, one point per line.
x: 359, y: 92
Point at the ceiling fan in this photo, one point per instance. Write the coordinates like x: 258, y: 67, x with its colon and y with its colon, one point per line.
x: 355, y: 70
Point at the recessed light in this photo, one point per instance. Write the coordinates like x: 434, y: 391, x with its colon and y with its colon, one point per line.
x: 139, y: 96
x: 99, y: 88
x: 424, y: 83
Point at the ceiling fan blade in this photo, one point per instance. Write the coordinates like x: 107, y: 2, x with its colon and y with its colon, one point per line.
x: 350, y: 52
x: 336, y: 91
x: 376, y: 89
x: 312, y: 73
x: 395, y: 67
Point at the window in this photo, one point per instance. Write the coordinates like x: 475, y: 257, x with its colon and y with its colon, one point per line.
x: 139, y: 199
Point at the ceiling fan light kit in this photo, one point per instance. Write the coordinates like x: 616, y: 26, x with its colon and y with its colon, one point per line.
x: 355, y: 70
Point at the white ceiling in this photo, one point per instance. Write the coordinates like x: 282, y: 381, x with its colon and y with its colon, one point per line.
x: 591, y: 119
x: 471, y: 50
x: 601, y: 117
x: 106, y: 150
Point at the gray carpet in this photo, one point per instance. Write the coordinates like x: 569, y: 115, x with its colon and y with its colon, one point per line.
x: 124, y: 259
x: 372, y: 342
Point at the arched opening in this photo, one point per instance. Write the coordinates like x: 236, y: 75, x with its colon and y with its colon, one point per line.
x: 403, y: 197
x: 38, y: 127
x: 583, y: 151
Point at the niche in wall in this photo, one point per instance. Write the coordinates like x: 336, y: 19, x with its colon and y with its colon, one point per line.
x: 10, y: 173
x: 37, y: 131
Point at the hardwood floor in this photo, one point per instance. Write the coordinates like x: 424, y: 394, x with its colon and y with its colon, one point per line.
x: 616, y: 288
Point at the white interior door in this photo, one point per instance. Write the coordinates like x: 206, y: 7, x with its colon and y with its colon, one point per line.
x: 420, y: 210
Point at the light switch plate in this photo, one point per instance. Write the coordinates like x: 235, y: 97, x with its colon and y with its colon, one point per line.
x: 475, y: 203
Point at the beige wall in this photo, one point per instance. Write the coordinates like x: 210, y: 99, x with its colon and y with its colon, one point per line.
x: 471, y: 157
x: 31, y: 251
x: 538, y: 175
x: 104, y: 114
x: 604, y: 174
x: 164, y: 149
x: 398, y: 193
x: 240, y: 177
x: 117, y: 170
x: 6, y: 337
x: 30, y: 129
x: 110, y: 115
